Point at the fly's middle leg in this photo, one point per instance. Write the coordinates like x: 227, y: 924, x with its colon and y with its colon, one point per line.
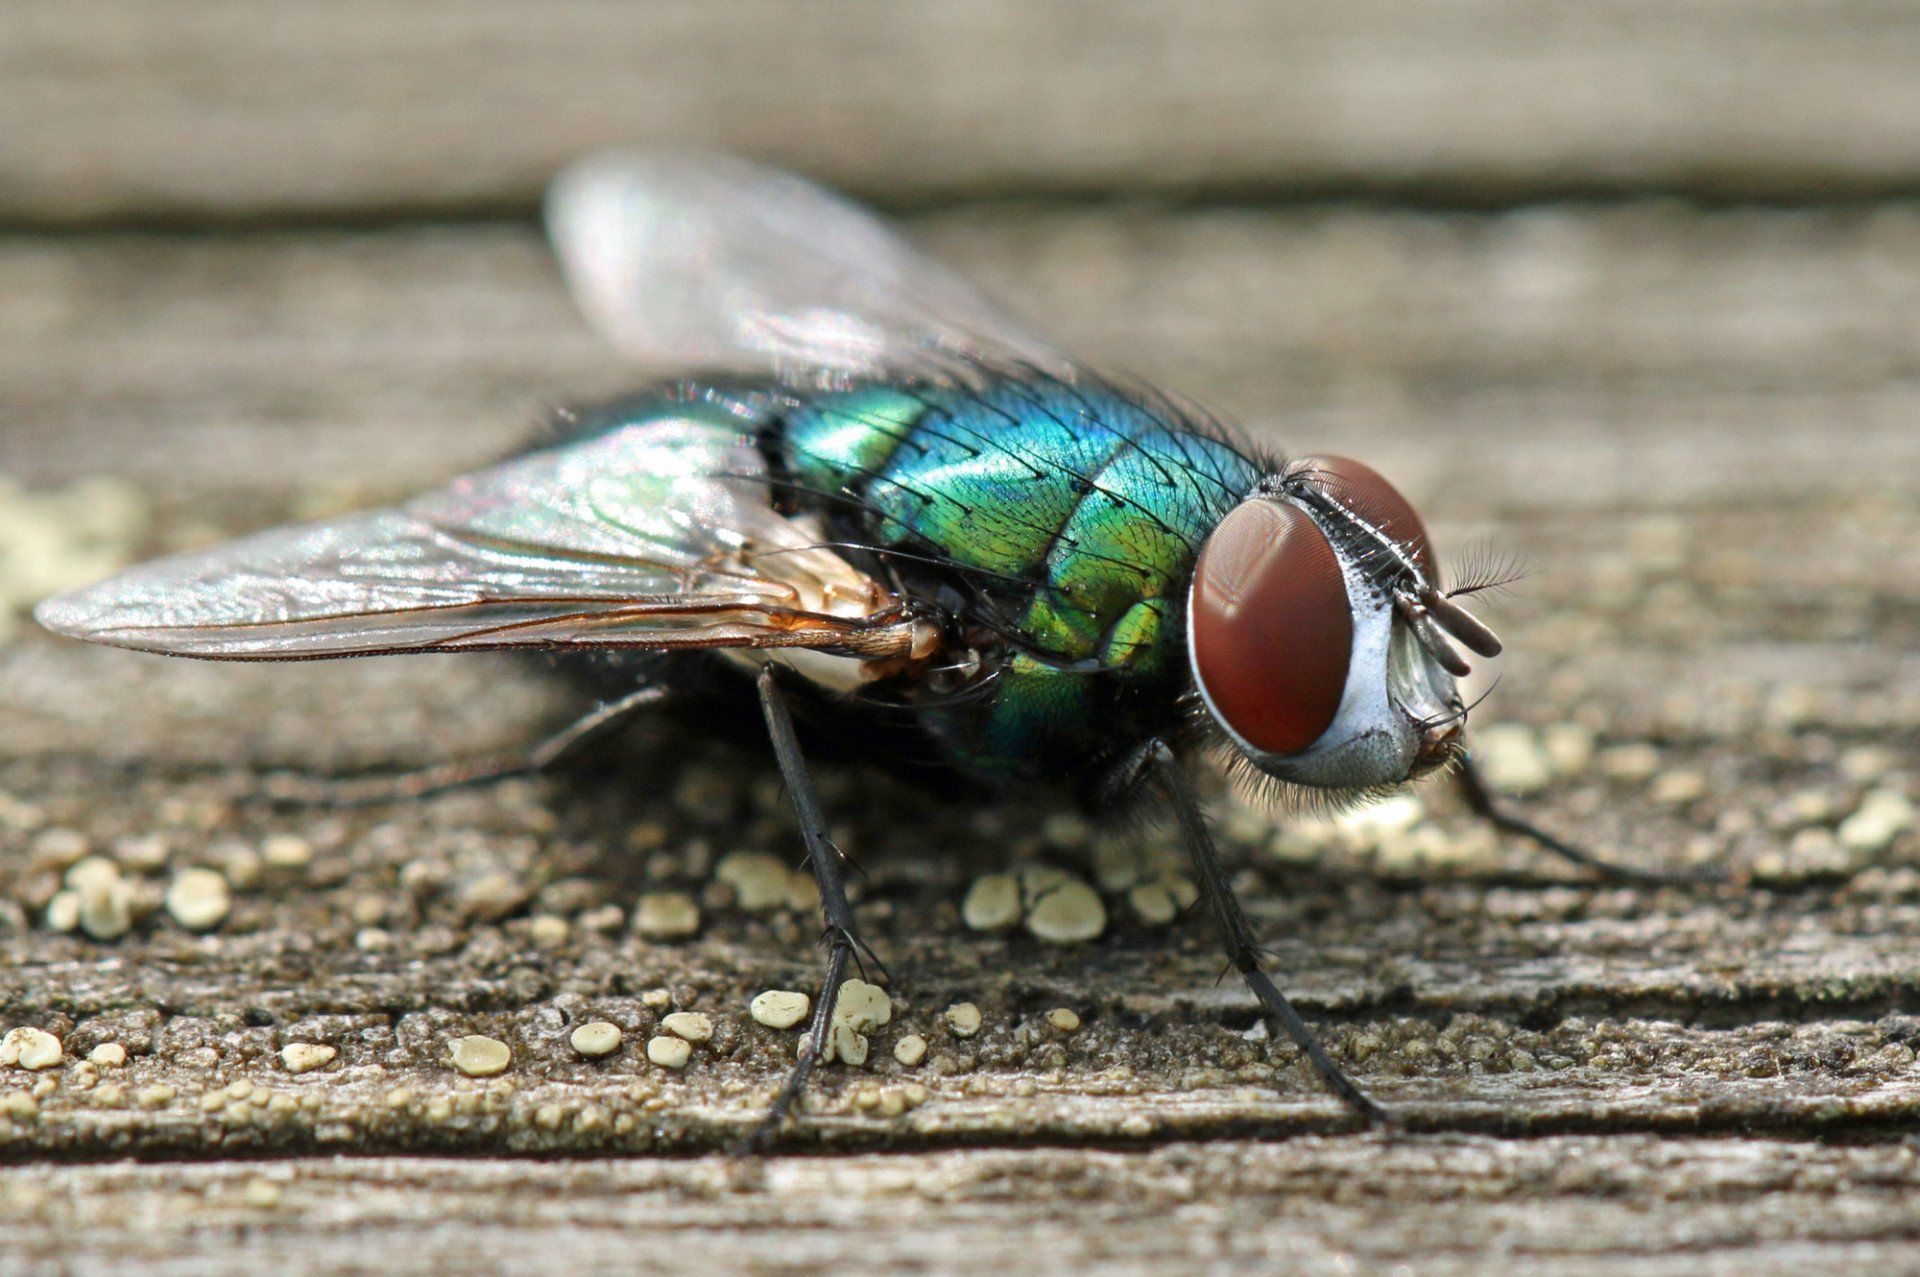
x: 1157, y: 761
x: 842, y: 944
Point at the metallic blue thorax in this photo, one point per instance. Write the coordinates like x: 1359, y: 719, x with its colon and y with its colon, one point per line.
x: 1068, y: 517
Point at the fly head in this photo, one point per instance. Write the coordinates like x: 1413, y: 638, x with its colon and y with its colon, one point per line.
x: 1319, y: 638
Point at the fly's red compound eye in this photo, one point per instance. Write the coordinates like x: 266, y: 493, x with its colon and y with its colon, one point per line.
x: 1272, y: 627
x: 1363, y: 490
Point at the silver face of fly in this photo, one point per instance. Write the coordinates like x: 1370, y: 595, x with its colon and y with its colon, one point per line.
x: 1315, y: 632
x: 1378, y: 735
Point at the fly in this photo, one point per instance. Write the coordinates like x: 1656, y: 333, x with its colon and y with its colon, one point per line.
x: 879, y: 493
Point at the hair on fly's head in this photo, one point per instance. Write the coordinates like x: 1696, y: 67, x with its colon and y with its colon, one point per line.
x: 1486, y: 567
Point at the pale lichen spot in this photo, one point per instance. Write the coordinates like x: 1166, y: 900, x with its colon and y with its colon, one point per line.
x: 963, y: 1018
x: 1883, y: 815
x: 910, y: 1050
x: 30, y: 1048
x: 479, y: 1056
x: 1062, y: 909
x: 690, y: 1025
x: 780, y: 1008
x: 860, y: 1009
x: 992, y: 903
x: 1512, y: 758
x: 666, y: 915
x: 595, y: 1038
x: 305, y: 1057
x: 760, y: 882
x: 669, y: 1052
x: 199, y: 899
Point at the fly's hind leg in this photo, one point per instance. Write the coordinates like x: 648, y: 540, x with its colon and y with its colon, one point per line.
x: 842, y: 944
x: 1157, y: 760
x: 366, y: 791
x: 1480, y: 801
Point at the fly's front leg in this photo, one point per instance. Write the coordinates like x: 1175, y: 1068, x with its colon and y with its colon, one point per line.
x: 367, y: 791
x: 841, y: 942
x: 1480, y: 800
x: 1157, y: 759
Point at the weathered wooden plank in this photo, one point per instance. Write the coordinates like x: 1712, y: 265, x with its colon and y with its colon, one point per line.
x: 1473, y: 986
x: 1569, y: 1205
x: 1563, y: 356
x: 222, y: 108
x: 1693, y: 426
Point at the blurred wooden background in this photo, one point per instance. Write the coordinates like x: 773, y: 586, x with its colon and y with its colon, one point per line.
x: 197, y: 109
x: 1632, y: 286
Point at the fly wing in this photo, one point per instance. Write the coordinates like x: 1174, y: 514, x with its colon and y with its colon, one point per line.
x: 711, y: 262
x: 656, y: 535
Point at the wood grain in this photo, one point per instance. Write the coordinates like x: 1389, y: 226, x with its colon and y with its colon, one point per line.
x: 1697, y: 428
x: 1556, y: 357
x: 1597, y: 1079
x: 1565, y: 1205
x: 1561, y: 1206
x: 185, y: 110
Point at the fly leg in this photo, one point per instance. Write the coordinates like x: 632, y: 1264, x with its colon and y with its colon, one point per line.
x: 842, y: 944
x: 1480, y: 800
x: 1243, y: 952
x: 366, y: 791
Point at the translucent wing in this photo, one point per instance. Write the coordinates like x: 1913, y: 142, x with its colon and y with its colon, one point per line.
x: 656, y: 535
x: 708, y: 261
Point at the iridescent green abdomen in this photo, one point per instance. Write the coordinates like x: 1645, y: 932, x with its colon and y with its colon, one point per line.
x: 1068, y: 516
